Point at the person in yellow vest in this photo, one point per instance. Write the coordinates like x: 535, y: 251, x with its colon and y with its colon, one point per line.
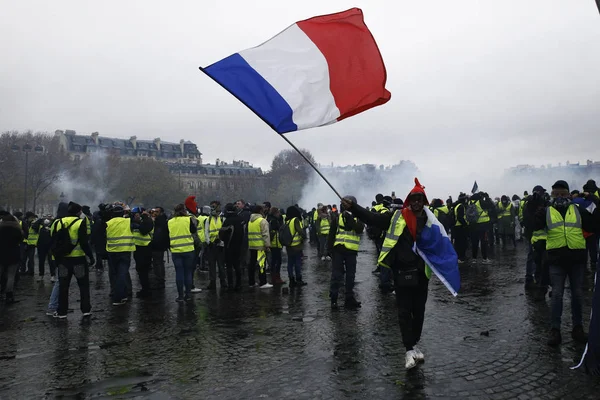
x: 275, y: 220
x: 526, y: 217
x: 411, y: 277
x: 192, y: 208
x: 294, y: 250
x: 30, y: 240
x: 565, y: 246
x: 506, y: 222
x: 345, y: 241
x: 181, y: 236
x: 215, y: 246
x: 202, y: 256
x: 460, y: 230
x: 143, y: 229
x: 259, y: 243
x: 479, y: 229
x: 540, y: 278
x: 75, y: 263
x: 119, y: 246
x: 322, y: 225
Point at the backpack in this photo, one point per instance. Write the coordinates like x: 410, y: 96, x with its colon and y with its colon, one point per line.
x: 61, y: 245
x: 285, y: 234
x: 471, y: 213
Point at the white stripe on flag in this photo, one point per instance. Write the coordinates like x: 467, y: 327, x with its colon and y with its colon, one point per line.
x: 298, y: 71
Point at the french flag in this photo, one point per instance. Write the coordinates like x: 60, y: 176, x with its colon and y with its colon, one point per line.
x: 314, y: 73
x: 436, y: 250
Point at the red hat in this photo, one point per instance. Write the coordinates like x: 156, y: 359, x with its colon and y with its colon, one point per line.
x: 191, y: 205
x: 417, y: 189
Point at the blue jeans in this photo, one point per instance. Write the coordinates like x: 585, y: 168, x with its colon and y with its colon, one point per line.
x: 53, y: 305
x: 558, y: 276
x: 530, y: 266
x: 118, y: 265
x: 295, y: 264
x: 184, y: 269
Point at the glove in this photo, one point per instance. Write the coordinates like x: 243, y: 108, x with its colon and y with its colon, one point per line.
x: 92, y: 261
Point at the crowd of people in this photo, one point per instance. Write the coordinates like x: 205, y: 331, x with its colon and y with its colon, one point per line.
x: 560, y: 230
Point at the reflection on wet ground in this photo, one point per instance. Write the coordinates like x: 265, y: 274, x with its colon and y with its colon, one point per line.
x: 487, y: 343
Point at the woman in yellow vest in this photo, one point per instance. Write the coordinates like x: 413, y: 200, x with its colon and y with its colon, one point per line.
x: 564, y: 223
x: 181, y: 231
x: 411, y: 277
x: 294, y: 250
x: 275, y: 220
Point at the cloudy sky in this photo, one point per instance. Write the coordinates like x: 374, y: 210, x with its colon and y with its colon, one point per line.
x: 477, y: 86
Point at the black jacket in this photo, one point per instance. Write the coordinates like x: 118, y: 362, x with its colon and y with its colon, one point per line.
x: 160, y: 239
x: 232, y: 233
x: 402, y: 255
x: 11, y: 237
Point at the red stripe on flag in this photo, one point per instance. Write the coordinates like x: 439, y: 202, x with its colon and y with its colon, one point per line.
x: 356, y: 70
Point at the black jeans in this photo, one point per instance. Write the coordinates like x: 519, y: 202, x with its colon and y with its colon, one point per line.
x: 253, y: 266
x: 275, y: 261
x: 479, y: 234
x: 542, y: 271
x: 343, y: 262
x: 67, y: 268
x: 28, y: 259
x: 411, y: 308
x: 460, y: 235
x: 143, y: 264
x: 591, y: 243
x: 232, y: 264
x: 216, y: 258
x: 43, y: 255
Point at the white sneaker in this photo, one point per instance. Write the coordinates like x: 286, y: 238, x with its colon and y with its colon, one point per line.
x: 411, y: 360
x: 323, y: 258
x: 328, y: 258
x: 51, y: 313
x: 87, y: 314
x: 266, y: 286
x: 419, y: 354
x: 196, y: 290
x: 486, y: 261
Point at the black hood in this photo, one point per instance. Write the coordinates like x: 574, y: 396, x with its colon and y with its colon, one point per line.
x: 62, y: 210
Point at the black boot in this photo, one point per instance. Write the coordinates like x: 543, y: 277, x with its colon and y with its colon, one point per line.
x: 555, y: 338
x: 579, y: 335
x: 292, y: 282
x: 352, y: 304
x: 300, y: 282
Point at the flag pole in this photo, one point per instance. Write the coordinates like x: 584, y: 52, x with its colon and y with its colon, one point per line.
x: 311, y: 164
x: 282, y: 136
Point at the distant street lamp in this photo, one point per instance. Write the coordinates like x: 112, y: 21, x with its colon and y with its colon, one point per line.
x: 26, y: 148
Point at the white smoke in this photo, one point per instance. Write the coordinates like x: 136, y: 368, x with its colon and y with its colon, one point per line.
x: 365, y: 183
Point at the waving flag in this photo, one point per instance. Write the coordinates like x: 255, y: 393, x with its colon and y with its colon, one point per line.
x: 475, y: 188
x: 436, y: 250
x: 316, y: 72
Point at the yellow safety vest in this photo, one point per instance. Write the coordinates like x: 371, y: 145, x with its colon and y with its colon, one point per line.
x: 315, y: 215
x: 380, y: 208
x: 180, y: 236
x: 504, y: 212
x: 74, y: 235
x: 392, y: 236
x: 458, y: 223
x: 296, y: 238
x: 349, y: 239
x: 32, y: 237
x: 255, y: 238
x: 213, y: 228
x: 442, y: 209
x: 324, y: 227
x: 536, y: 236
x: 119, y: 238
x: 142, y: 240
x: 201, y: 230
x: 483, y: 214
x: 564, y: 232
x: 522, y: 205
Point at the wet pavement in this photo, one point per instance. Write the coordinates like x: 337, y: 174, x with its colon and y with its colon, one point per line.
x: 489, y: 343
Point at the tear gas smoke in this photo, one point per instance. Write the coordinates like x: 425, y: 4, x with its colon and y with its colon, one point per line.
x: 91, y: 184
x: 364, y: 182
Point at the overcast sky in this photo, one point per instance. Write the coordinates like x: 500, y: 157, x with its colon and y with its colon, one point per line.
x: 477, y: 86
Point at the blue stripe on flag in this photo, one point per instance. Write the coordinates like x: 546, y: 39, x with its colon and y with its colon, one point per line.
x: 242, y: 81
x: 437, y: 251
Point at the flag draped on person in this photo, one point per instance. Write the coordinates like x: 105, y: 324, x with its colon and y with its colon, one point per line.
x: 433, y: 245
x: 314, y: 73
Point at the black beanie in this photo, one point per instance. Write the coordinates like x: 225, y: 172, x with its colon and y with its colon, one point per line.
x: 73, y: 208
x: 560, y: 185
